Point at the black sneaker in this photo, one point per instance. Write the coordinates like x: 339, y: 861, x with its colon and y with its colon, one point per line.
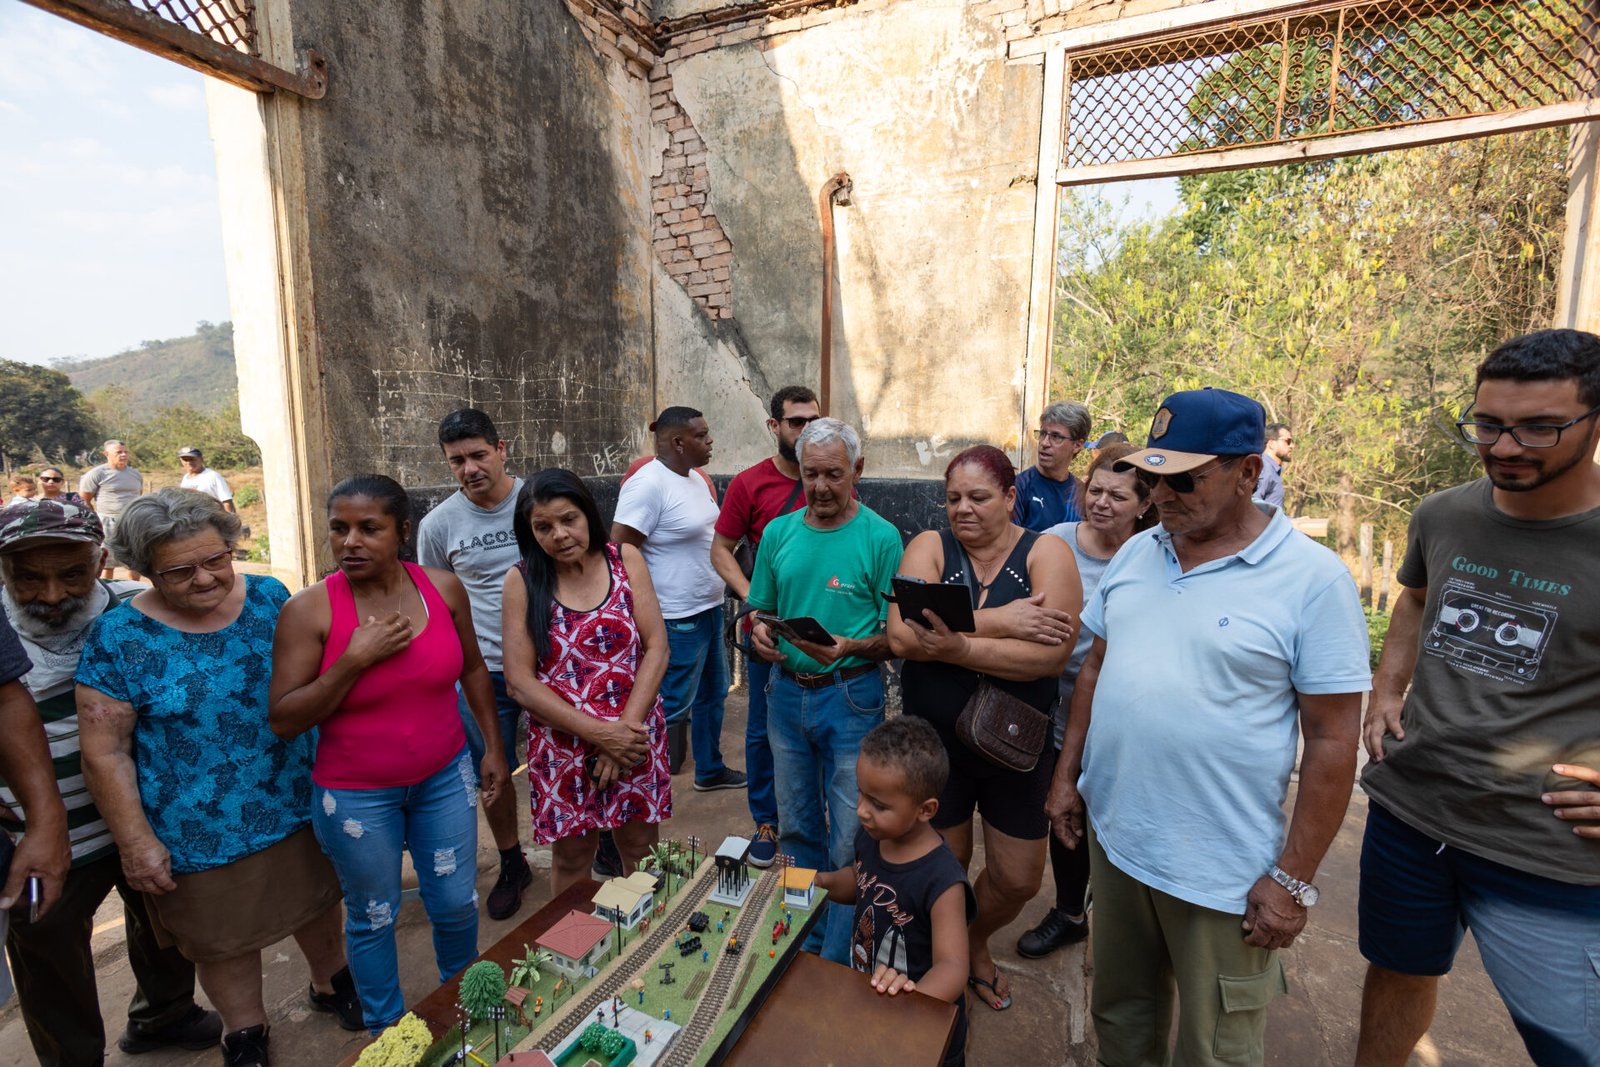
x: 1055, y: 931
x: 506, y: 897
x: 246, y: 1048
x: 607, y: 860
x: 198, y: 1029
x: 342, y: 1002
x: 728, y: 778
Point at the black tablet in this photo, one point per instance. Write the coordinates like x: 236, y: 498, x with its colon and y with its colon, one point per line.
x: 952, y: 603
x: 802, y: 628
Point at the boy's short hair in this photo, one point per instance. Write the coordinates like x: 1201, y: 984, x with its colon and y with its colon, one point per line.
x: 911, y: 746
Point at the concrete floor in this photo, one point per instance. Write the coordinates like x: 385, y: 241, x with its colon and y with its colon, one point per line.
x: 1315, y: 1026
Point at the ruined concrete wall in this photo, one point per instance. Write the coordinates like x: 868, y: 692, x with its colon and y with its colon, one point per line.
x: 939, y: 133
x: 478, y: 211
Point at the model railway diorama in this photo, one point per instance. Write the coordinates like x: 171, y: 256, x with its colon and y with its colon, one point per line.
x: 663, y: 969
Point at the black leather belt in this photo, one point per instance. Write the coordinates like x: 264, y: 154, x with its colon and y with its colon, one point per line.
x: 817, y: 681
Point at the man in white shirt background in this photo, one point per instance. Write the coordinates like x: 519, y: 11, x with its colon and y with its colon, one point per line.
x: 665, y: 511
x: 199, y: 477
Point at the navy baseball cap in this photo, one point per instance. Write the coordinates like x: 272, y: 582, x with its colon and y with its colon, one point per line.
x: 1194, y: 427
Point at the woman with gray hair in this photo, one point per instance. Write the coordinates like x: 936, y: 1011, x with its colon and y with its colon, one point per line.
x: 1048, y: 493
x: 210, y: 810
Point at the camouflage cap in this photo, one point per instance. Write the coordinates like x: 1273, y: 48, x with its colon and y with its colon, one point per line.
x: 29, y: 521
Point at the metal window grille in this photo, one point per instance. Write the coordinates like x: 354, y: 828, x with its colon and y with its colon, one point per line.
x: 229, y: 22
x: 1337, y: 69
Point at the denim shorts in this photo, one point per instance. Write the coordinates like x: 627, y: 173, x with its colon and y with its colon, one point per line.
x: 1539, y: 938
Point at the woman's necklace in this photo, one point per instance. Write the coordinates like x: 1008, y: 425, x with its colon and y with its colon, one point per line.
x: 997, y: 561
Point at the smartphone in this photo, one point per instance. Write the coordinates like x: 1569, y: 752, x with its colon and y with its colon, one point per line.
x: 802, y: 628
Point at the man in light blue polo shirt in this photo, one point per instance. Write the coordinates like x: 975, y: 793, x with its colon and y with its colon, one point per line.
x: 1219, y: 636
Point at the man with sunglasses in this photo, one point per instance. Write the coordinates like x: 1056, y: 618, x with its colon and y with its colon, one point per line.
x: 50, y: 556
x: 1485, y: 779
x: 1220, y: 636
x: 755, y: 497
x: 1048, y: 492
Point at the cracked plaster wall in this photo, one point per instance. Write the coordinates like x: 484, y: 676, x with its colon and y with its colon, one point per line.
x: 477, y: 191
x: 940, y: 136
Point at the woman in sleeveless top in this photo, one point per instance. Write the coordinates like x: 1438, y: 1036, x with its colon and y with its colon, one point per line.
x: 371, y: 657
x: 1027, y: 601
x: 585, y: 650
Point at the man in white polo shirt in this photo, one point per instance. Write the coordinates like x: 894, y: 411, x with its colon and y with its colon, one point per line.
x: 665, y: 511
x: 1219, y: 636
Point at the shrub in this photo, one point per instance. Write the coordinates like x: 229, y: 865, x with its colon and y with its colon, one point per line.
x: 247, y: 495
x: 1377, y: 630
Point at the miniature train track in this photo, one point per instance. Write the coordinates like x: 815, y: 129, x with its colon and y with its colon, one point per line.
x: 602, y: 993
x: 699, y: 1027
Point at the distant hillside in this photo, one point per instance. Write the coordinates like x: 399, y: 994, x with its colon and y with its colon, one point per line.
x: 196, y: 370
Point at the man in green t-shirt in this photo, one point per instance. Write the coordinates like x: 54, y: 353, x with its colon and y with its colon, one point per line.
x: 832, y: 562
x: 1485, y: 780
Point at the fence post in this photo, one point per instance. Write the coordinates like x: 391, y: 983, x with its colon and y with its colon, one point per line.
x: 1366, y: 564
x: 1386, y: 575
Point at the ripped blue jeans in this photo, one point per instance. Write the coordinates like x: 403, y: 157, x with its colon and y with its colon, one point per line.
x: 363, y: 832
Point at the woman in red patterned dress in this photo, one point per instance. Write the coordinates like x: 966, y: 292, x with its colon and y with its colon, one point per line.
x: 585, y: 649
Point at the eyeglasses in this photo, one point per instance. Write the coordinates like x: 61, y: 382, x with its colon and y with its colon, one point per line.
x: 1181, y: 483
x: 1532, y: 435
x: 181, y: 575
x: 799, y: 422
x: 47, y: 478
x: 1053, y: 437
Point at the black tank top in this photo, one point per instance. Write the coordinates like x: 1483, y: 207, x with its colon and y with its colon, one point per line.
x: 938, y: 691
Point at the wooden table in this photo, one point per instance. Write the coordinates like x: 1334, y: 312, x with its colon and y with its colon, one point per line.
x: 823, y: 1015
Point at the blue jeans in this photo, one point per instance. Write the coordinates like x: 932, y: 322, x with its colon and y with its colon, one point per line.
x: 695, y: 686
x: 816, y: 735
x: 363, y: 832
x: 757, y: 747
x: 510, y: 721
x: 1539, y: 938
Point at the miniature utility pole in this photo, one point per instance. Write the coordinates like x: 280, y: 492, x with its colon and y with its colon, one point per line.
x: 694, y: 858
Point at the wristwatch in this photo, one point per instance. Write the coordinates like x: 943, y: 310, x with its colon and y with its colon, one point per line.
x: 1305, y: 894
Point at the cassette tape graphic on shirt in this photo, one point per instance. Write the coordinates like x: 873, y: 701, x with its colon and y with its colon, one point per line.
x: 1490, y: 634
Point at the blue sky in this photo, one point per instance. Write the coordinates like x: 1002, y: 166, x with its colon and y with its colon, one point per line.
x: 108, y: 194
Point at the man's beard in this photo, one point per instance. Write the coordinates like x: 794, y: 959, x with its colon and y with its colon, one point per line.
x: 36, y: 619
x: 1543, y: 476
x: 786, y: 450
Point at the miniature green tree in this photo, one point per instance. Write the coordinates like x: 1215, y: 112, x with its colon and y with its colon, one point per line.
x: 593, y: 1038
x: 401, y: 1045
x: 483, y: 987
x: 611, y: 1043
x: 525, y: 972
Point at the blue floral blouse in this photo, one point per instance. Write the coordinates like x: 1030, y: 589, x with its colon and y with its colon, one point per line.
x: 217, y: 784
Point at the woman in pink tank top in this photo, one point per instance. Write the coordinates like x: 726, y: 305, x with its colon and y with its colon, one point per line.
x: 370, y: 657
x: 585, y: 650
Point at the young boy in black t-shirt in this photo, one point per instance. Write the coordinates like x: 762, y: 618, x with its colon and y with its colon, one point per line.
x: 910, y: 892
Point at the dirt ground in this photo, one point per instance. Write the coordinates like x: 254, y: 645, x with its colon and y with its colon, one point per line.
x: 1314, y: 1026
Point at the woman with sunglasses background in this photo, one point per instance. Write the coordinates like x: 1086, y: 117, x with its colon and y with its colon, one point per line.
x: 53, y: 486
x: 210, y: 810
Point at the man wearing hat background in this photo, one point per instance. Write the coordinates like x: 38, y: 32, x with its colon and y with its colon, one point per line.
x: 50, y: 556
x: 1219, y: 636
x: 199, y: 477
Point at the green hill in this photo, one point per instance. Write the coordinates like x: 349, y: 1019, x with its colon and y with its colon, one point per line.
x: 196, y: 370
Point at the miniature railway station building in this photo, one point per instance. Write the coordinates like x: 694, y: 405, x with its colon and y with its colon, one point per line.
x: 799, y: 887
x: 626, y: 901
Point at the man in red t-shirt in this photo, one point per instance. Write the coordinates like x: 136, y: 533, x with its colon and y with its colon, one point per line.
x: 754, y: 498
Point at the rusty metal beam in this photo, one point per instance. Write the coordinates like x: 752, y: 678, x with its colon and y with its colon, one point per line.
x: 154, y: 34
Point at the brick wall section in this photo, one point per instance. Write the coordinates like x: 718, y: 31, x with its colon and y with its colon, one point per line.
x: 618, y: 30
x: 688, y: 240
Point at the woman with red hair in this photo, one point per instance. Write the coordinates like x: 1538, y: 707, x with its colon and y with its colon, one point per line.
x: 1026, y: 597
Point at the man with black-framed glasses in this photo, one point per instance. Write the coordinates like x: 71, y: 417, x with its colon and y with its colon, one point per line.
x: 1485, y: 777
x: 1048, y: 492
x: 755, y: 497
x: 1220, y: 636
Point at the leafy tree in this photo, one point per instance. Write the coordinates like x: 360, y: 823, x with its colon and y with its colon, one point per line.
x: 401, y: 1045
x: 40, y: 413
x: 1352, y: 298
x: 483, y: 987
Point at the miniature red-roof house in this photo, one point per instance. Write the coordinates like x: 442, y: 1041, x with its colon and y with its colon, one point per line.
x: 531, y: 1058
x: 578, y: 944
